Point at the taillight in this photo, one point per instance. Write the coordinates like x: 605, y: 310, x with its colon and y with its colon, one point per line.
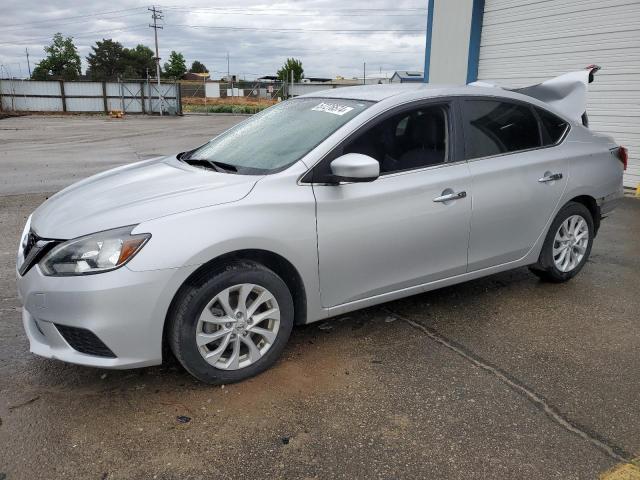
x: 623, y: 155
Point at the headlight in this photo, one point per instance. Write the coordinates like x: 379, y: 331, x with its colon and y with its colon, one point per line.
x: 24, y: 240
x: 95, y: 253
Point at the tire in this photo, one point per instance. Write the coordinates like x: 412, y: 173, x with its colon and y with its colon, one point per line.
x: 552, y: 269
x: 199, y: 314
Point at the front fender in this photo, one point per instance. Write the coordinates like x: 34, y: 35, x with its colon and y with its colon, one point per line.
x: 274, y: 217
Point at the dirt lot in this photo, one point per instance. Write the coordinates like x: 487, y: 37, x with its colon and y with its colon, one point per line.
x: 499, y: 378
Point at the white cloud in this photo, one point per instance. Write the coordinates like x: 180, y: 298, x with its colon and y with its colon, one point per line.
x: 258, y: 36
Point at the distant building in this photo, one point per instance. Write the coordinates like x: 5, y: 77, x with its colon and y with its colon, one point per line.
x: 315, y: 80
x: 345, y: 81
x: 274, y: 78
x: 373, y: 79
x: 268, y: 79
x: 201, y: 77
x: 407, y: 77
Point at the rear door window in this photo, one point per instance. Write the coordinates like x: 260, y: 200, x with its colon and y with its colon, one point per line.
x: 553, y: 127
x: 494, y: 127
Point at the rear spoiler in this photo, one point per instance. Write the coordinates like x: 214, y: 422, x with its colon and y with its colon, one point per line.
x: 566, y: 93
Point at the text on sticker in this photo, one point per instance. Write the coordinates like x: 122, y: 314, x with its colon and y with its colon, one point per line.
x: 332, y: 108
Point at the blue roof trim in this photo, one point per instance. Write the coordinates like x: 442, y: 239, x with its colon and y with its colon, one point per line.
x: 427, y: 48
x: 473, y: 58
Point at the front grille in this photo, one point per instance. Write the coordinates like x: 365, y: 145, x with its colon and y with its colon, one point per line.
x: 34, y: 250
x: 84, y: 341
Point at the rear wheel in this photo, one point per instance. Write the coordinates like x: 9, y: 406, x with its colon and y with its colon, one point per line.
x: 567, y: 245
x: 233, y: 324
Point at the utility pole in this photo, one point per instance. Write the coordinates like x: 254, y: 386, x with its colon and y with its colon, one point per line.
x: 156, y: 15
x: 28, y: 64
x: 229, y: 75
x: 291, y: 95
x: 364, y: 73
x: 149, y: 93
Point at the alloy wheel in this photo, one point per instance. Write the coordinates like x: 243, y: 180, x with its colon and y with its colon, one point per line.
x: 238, y: 326
x: 570, y: 243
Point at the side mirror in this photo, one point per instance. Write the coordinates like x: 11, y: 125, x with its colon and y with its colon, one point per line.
x: 355, y: 167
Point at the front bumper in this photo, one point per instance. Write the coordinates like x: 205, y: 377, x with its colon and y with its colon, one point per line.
x: 124, y: 309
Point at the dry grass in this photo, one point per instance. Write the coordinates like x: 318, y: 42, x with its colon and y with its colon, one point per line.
x: 244, y: 101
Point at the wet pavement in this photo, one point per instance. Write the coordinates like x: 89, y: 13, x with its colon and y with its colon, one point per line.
x: 502, y: 377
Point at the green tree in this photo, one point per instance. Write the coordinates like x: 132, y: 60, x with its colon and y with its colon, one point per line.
x: 198, y: 67
x: 138, y: 60
x: 110, y: 60
x: 176, y: 66
x: 290, y: 65
x: 106, y: 62
x: 62, y: 61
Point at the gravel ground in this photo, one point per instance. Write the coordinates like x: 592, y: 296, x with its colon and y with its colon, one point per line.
x: 503, y: 377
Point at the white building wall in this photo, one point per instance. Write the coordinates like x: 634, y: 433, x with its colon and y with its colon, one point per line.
x: 450, y: 41
x: 522, y: 44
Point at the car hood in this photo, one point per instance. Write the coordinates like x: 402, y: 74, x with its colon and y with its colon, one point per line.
x: 133, y: 194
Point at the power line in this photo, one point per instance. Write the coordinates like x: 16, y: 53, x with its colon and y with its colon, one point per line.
x: 301, y: 30
x: 407, y: 9
x: 231, y: 11
x: 271, y: 13
x: 69, y: 18
x: 73, y: 22
x: 411, y: 51
x: 75, y: 35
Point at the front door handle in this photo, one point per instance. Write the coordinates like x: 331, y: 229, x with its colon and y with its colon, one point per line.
x: 450, y: 196
x: 550, y: 177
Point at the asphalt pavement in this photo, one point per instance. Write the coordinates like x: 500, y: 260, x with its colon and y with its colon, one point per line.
x: 500, y: 378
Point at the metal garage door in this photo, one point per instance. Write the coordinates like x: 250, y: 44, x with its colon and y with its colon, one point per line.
x: 524, y: 42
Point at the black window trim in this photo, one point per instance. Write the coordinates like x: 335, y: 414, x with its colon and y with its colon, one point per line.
x: 530, y: 106
x: 455, y: 150
x: 564, y: 133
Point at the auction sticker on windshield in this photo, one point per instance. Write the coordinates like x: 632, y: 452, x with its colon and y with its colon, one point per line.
x: 332, y: 108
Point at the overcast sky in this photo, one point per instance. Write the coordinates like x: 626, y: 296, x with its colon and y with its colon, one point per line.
x: 331, y: 37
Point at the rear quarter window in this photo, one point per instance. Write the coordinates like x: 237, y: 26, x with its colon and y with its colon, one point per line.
x: 553, y: 127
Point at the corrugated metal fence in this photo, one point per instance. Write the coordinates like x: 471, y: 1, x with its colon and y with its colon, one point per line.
x: 61, y: 96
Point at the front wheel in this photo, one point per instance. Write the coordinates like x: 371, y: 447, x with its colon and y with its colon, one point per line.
x: 567, y: 245
x: 231, y: 324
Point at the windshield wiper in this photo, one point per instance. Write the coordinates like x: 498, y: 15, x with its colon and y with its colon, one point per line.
x: 217, y: 166
x: 224, y: 166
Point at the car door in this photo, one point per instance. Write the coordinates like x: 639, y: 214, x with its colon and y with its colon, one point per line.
x: 397, y: 231
x: 518, y: 178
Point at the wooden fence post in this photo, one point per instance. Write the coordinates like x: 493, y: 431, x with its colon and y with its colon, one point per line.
x: 62, y: 96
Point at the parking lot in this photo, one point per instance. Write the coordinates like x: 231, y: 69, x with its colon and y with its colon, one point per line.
x: 499, y: 378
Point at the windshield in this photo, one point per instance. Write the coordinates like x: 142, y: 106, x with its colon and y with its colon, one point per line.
x: 278, y: 136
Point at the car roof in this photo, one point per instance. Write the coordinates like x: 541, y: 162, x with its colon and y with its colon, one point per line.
x: 380, y: 92
x: 399, y: 92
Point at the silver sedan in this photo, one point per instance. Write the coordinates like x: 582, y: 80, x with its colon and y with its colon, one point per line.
x: 315, y: 207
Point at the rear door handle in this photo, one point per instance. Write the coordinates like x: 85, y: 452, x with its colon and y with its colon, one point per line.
x: 450, y: 196
x: 550, y: 178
